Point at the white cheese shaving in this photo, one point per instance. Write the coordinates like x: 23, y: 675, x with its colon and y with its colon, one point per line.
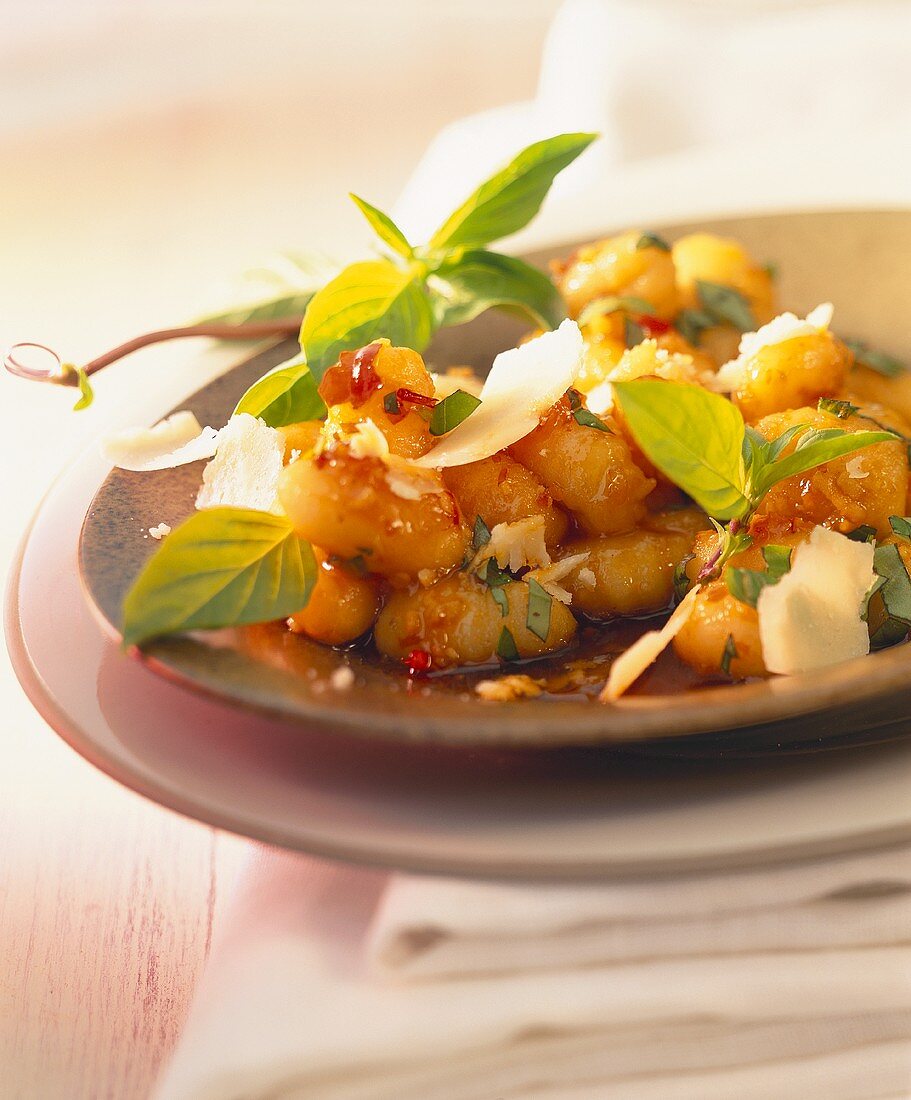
x: 448, y: 383
x: 523, y: 384
x: 812, y: 617
x: 600, y: 400
x: 855, y: 468
x: 516, y: 545
x: 245, y: 470
x: 406, y: 480
x: 506, y: 688
x: 174, y: 441
x: 630, y: 665
x: 587, y: 577
x: 549, y: 576
x: 368, y: 441
x: 786, y: 326
x: 160, y: 531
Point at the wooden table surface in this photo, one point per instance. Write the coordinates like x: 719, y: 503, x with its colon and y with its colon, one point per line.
x: 127, y: 194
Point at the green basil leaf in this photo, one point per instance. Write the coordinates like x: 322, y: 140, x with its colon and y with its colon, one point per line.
x: 633, y: 332
x: 694, y: 437
x: 652, y: 240
x: 774, y: 448
x: 876, y: 360
x: 585, y: 416
x: 480, y: 535
x: 506, y: 646
x: 746, y: 584
x: 286, y: 395
x: 365, y: 302
x: 499, y: 597
x: 508, y: 201
x: 771, y: 269
x: 384, y: 227
x: 451, y: 411
x: 888, y: 611
x: 601, y: 307
x: 729, y: 654
x: 537, y: 617
x: 725, y: 305
x: 681, y: 577
x: 841, y: 409
x: 864, y: 533
x: 777, y: 559
x: 391, y: 403
x: 221, y: 567
x: 815, y: 448
x: 691, y: 323
x: 901, y: 526
x: 476, y: 280
x: 492, y: 575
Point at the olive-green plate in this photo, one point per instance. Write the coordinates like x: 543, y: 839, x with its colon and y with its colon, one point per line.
x: 859, y: 260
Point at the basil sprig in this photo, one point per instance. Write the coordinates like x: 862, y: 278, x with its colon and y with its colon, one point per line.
x: 879, y: 361
x: 746, y: 584
x: 888, y: 611
x: 286, y: 395
x: 221, y: 567
x: 410, y: 294
x: 451, y: 411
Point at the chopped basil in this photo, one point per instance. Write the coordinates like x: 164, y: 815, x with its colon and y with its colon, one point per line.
x: 841, y: 409
x: 506, y: 646
x: 584, y: 416
x: 746, y: 584
x: 391, y: 404
x: 730, y: 652
x: 358, y: 563
x: 539, y: 605
x: 601, y: 307
x: 777, y: 559
x: 691, y: 323
x: 682, y: 578
x: 633, y: 332
x: 499, y: 597
x: 889, y: 603
x: 864, y: 533
x: 480, y: 535
x: 725, y: 305
x: 771, y: 269
x: 451, y: 411
x: 879, y: 361
x: 492, y: 575
x: 652, y: 240
x: 901, y: 526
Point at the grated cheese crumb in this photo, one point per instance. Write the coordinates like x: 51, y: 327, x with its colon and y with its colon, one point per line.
x: 587, y: 577
x: 342, y: 679
x: 516, y: 545
x: 160, y: 531
x: 786, y: 326
x: 507, y: 688
x: 855, y: 468
x: 550, y: 575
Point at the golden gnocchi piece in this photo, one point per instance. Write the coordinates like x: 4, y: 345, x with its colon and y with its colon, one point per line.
x: 588, y: 471
x: 862, y: 488
x: 721, y: 633
x: 301, y: 438
x: 617, y: 266
x: 458, y: 622
x: 342, y: 606
x: 792, y: 374
x: 347, y: 507
x: 501, y: 490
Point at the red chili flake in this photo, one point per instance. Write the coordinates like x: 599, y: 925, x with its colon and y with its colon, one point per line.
x: 409, y: 397
x: 652, y: 326
x: 418, y: 662
x: 364, y: 379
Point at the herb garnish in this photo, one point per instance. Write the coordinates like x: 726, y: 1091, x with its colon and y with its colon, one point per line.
x: 480, y: 535
x: 901, y: 527
x: 601, y: 307
x: 725, y: 305
x: 537, y: 618
x: 451, y: 411
x: 582, y: 415
x: 747, y: 584
x: 729, y: 654
x: 633, y: 332
x: 879, y: 361
x: 864, y: 533
x: 506, y: 646
x: 691, y: 323
x: 841, y: 409
x: 888, y: 610
x: 286, y: 395
x: 652, y: 240
x: 221, y: 567
x: 391, y: 404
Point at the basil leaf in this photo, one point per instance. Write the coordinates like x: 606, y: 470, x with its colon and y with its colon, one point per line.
x: 746, y: 584
x: 841, y: 409
x: 492, y: 575
x: 771, y: 269
x: 815, y: 448
x: 221, y: 567
x: 506, y: 646
x: 463, y: 288
x: 889, y: 603
x: 652, y: 240
x: 725, y: 305
x: 901, y: 526
x: 365, y: 302
x: 480, y: 535
x: 585, y: 416
x: 774, y: 448
x: 537, y: 617
x: 508, y: 201
x: 384, y: 227
x: 694, y: 437
x: 681, y: 577
x: 876, y: 360
x: 600, y: 307
x: 730, y: 652
x: 391, y: 403
x: 499, y: 597
x: 633, y: 332
x: 451, y: 411
x: 864, y: 533
x: 691, y: 323
x: 777, y: 559
x: 286, y: 395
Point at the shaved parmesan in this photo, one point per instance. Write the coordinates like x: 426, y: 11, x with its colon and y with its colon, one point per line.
x: 244, y: 472
x: 600, y: 400
x: 404, y: 478
x: 160, y: 531
x: 523, y: 384
x: 786, y: 326
x: 630, y: 665
x: 174, y: 441
x: 812, y: 617
x: 516, y: 545
x: 549, y: 576
x: 506, y: 688
x: 368, y: 441
x: 458, y: 378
